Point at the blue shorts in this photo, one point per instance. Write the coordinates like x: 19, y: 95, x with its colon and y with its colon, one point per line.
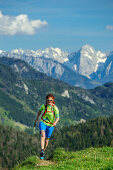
x: 48, y: 129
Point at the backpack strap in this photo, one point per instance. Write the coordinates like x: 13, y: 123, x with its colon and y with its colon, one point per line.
x: 53, y: 105
x: 52, y: 110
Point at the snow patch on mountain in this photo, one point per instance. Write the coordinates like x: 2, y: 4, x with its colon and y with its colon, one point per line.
x: 1, y: 51
x: 101, y: 57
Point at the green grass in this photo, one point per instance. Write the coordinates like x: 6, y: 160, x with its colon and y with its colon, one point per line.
x: 88, y: 159
x: 92, y: 158
x: 29, y: 164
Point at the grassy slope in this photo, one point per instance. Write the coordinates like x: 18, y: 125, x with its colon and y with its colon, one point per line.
x: 91, y: 158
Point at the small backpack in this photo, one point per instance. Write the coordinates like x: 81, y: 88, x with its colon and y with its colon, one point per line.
x: 52, y: 110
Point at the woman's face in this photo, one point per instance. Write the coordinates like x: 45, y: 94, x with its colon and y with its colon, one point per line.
x: 50, y: 101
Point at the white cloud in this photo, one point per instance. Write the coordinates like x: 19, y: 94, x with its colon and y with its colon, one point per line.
x: 10, y: 25
x: 109, y: 27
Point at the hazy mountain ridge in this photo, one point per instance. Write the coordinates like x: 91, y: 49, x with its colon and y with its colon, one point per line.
x: 87, y: 62
x: 60, y: 65
x: 51, y: 53
x: 49, y: 67
x: 23, y: 68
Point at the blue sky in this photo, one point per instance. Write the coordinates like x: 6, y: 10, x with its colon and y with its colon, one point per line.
x: 65, y: 24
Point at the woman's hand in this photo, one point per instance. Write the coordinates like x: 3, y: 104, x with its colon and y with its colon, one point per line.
x: 37, y: 118
x: 54, y: 124
x: 35, y: 123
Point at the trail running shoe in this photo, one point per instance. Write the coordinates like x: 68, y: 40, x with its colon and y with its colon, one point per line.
x: 42, y: 154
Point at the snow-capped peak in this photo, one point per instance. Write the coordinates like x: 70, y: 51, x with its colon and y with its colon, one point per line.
x: 1, y: 51
x: 88, y: 47
x: 53, y: 53
x: 101, y: 57
x: 86, y: 60
x: 23, y: 52
x: 88, y: 51
x: 18, y: 51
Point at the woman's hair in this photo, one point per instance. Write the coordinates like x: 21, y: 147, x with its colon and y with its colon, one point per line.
x: 50, y: 95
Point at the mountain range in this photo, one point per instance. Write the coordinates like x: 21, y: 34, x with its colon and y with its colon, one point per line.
x: 86, y: 68
x: 23, y: 90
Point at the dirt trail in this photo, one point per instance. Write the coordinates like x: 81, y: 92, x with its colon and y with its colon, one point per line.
x: 45, y: 163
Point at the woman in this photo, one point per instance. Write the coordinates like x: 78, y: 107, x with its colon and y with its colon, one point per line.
x: 48, y: 121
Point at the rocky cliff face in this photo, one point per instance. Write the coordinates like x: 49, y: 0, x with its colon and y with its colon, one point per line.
x: 105, y: 74
x: 86, y: 61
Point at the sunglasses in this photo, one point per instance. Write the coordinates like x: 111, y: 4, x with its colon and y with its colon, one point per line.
x: 49, y: 100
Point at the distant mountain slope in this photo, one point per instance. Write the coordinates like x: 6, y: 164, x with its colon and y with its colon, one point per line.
x: 104, y: 92
x: 64, y: 73
x: 28, y: 95
x: 12, y: 91
x: 49, y: 67
x: 23, y: 68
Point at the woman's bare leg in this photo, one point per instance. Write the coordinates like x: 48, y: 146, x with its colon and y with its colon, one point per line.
x: 46, y: 143
x: 42, y: 139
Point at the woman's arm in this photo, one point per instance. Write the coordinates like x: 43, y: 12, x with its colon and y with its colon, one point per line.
x: 56, y: 121
x: 38, y: 115
x: 56, y: 110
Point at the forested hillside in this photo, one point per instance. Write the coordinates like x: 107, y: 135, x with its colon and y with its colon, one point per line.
x: 15, y: 146
x: 96, y: 132
x: 21, y: 98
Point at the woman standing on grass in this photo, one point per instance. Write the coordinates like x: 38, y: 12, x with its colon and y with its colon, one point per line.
x: 48, y: 121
